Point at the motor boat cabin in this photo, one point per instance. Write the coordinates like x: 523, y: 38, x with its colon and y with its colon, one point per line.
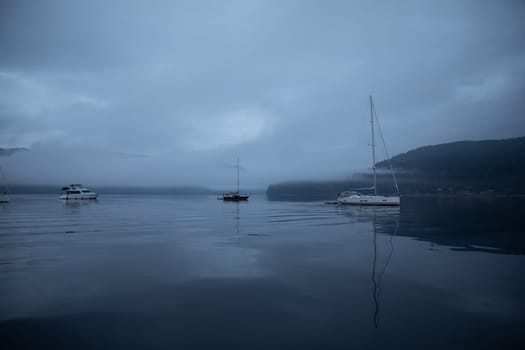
x: 77, y: 192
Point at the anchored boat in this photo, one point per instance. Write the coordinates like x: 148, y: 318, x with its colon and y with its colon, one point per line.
x: 355, y: 196
x: 235, y: 196
x: 77, y: 192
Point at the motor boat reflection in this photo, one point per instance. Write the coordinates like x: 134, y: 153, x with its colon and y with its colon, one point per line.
x: 76, y: 207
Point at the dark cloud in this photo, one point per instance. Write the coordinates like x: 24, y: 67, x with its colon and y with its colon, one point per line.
x: 284, y: 86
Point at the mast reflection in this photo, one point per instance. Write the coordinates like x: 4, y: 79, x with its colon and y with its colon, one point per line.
x: 385, y: 221
x: 377, y: 276
x: 237, y: 218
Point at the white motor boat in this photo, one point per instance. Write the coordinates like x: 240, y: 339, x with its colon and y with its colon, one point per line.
x: 77, y: 192
x: 354, y: 197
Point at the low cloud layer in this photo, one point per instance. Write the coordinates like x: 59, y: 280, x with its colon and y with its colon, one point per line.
x: 165, y: 92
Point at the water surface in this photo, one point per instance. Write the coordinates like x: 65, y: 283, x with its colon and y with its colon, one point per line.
x: 164, y: 272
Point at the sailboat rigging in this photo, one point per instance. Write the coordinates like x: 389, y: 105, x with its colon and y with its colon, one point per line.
x: 354, y: 197
x: 235, y: 196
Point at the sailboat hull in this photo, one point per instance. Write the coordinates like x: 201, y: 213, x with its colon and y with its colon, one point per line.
x: 234, y: 197
x: 358, y: 199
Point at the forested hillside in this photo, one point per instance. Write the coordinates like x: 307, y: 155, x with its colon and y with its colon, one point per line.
x: 464, y: 167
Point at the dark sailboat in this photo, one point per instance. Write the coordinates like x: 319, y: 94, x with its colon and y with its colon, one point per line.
x: 235, y: 196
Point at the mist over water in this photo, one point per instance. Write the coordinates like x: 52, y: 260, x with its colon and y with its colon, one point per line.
x: 160, y: 272
x: 123, y: 93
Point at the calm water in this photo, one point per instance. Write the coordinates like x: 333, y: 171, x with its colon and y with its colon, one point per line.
x: 161, y: 272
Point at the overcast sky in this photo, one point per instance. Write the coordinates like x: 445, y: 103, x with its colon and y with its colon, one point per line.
x: 171, y: 92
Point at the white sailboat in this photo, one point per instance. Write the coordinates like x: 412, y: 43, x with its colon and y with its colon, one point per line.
x: 4, y: 197
x: 235, y: 196
x: 354, y: 197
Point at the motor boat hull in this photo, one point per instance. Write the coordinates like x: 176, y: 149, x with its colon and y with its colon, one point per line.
x: 82, y: 196
x: 77, y: 192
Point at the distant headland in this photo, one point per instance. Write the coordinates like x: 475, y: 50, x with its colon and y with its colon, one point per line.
x: 489, y: 167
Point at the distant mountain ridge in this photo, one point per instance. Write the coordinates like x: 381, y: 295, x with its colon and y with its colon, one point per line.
x: 6, y: 152
x: 488, y: 156
x: 462, y: 167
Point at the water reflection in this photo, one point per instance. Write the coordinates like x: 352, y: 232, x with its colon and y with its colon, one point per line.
x: 236, y: 214
x: 77, y: 204
x: 385, y: 221
x: 74, y: 208
x: 471, y: 224
x: 377, y: 274
x: 366, y: 214
x: 237, y: 217
x: 172, y: 273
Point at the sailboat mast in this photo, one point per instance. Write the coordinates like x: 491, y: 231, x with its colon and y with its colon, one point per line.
x: 238, y: 175
x: 373, y: 144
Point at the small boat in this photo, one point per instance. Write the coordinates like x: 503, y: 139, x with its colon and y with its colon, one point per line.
x: 354, y: 197
x: 357, y: 198
x: 77, y: 192
x: 4, y: 197
x: 235, y: 196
